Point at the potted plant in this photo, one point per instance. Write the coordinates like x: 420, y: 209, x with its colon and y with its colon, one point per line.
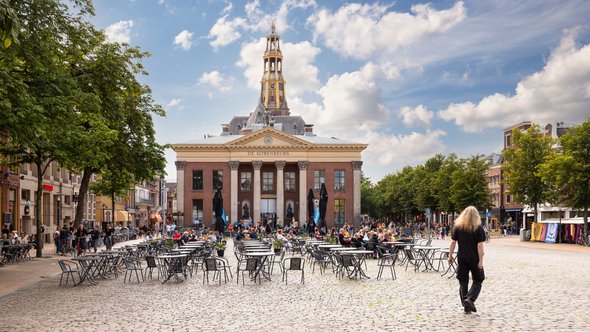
x: 170, y: 244
x: 330, y: 240
x: 220, y: 247
x: 278, y: 245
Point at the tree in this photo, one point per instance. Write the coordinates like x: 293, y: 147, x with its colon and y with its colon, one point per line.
x: 9, y: 24
x: 426, y: 194
x: 470, y: 184
x: 443, y: 183
x: 39, y: 97
x: 119, y: 140
x: 368, y: 193
x: 569, y: 171
x: 522, y: 167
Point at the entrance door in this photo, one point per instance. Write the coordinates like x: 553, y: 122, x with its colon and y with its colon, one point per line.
x: 268, y: 211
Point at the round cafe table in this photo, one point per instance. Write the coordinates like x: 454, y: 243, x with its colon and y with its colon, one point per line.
x: 360, y: 256
x: 173, y: 264
x: 263, y: 256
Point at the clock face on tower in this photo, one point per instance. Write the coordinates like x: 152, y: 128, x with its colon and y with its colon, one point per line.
x: 268, y: 140
x: 272, y: 85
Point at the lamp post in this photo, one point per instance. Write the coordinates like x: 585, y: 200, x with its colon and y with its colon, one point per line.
x: 58, y: 211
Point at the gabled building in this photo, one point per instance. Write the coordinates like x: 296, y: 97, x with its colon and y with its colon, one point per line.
x: 266, y: 162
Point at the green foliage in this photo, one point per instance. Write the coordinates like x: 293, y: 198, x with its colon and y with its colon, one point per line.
x: 522, y: 167
x: 220, y: 245
x: 9, y: 24
x: 569, y: 171
x: 470, y: 184
x: 277, y: 244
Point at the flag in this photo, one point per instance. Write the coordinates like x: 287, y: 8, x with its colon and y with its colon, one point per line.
x: 224, y: 216
x: 316, y: 215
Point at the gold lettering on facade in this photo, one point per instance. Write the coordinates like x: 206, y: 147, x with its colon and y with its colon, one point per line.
x: 267, y: 153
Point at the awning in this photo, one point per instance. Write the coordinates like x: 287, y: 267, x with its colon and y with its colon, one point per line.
x: 576, y: 221
x: 122, y: 216
x: 155, y: 217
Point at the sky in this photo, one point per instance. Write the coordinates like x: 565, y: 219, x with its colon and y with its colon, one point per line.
x: 409, y: 78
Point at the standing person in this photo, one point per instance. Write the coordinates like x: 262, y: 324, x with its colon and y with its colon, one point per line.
x: 470, y: 235
x: 95, y: 235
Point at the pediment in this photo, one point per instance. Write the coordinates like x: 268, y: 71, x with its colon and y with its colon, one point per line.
x: 268, y: 137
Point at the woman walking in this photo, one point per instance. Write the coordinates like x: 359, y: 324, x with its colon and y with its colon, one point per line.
x: 470, y: 235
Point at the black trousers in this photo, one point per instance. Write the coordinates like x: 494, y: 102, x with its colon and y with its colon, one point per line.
x: 478, y: 276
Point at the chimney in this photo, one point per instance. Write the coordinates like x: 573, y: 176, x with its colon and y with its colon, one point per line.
x: 308, y: 130
x: 225, y: 129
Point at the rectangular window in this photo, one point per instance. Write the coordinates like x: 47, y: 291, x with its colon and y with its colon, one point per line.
x: 290, y: 181
x: 25, y: 195
x: 267, y: 181
x: 217, y: 180
x: 508, y: 198
x: 339, y: 180
x: 197, y: 209
x: 319, y: 177
x: 339, y: 211
x: 197, y: 180
x: 246, y: 181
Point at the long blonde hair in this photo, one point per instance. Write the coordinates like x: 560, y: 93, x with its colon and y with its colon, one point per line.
x: 468, y: 220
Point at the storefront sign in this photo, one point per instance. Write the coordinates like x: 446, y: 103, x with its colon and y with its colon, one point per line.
x: 47, y: 187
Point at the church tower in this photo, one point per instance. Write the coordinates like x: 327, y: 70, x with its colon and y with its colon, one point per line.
x: 272, y: 92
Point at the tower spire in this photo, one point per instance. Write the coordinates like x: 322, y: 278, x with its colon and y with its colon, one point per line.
x: 272, y: 92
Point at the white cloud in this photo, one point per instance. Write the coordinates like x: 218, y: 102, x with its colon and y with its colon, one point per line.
x: 363, y: 30
x: 419, y: 116
x: 300, y: 73
x: 175, y: 103
x: 226, y: 31
x: 398, y: 151
x: 558, y: 92
x: 184, y: 39
x: 119, y: 32
x: 227, y: 9
x: 216, y: 80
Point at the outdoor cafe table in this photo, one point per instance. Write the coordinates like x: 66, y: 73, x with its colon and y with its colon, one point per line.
x: 173, y: 265
x: 88, y: 266
x: 329, y: 246
x: 340, y: 249
x: 263, y: 256
x: 358, y: 262
x: 427, y: 253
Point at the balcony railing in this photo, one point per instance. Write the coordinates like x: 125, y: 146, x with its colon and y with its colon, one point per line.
x: 146, y: 201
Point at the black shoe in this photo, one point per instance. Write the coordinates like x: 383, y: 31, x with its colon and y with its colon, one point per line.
x: 469, y: 305
x: 467, y: 311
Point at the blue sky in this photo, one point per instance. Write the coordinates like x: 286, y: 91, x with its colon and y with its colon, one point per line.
x: 409, y: 78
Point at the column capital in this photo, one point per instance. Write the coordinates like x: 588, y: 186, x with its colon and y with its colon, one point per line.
x: 234, y: 164
x: 180, y: 164
x: 302, y: 164
x: 356, y: 165
x: 257, y: 164
x: 280, y: 164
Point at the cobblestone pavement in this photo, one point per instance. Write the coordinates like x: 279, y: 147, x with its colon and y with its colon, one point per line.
x: 527, y: 289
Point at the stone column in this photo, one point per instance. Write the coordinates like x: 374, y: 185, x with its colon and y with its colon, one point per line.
x: 356, y: 191
x: 180, y: 193
x: 302, y: 192
x: 257, y: 164
x: 233, y: 165
x: 280, y: 192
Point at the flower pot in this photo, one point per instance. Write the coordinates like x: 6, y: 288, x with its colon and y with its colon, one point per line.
x: 277, y: 250
x: 220, y: 252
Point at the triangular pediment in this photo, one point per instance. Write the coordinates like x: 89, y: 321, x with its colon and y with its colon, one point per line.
x: 268, y: 137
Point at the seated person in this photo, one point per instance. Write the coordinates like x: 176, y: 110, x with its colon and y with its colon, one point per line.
x: 176, y: 235
x: 317, y: 234
x: 211, y: 237
x: 283, y: 239
x: 184, y: 238
x: 253, y: 234
x: 149, y: 236
x: 343, y: 239
x: 240, y: 236
x: 5, y: 240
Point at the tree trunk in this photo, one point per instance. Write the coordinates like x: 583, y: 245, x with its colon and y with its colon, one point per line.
x: 113, y: 210
x: 536, y: 211
x: 87, y: 174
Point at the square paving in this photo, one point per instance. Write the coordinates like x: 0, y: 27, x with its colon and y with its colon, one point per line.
x: 529, y: 287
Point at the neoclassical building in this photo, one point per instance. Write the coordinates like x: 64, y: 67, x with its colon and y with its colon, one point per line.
x: 265, y: 163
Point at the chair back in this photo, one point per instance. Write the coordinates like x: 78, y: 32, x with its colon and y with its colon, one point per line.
x: 347, y: 260
x: 296, y: 263
x: 251, y: 264
x: 151, y: 261
x: 210, y: 264
x: 63, y: 266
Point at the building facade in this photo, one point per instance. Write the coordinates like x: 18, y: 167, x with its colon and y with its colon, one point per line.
x: 265, y: 163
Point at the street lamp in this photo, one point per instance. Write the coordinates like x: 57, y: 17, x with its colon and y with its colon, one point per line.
x: 58, y: 211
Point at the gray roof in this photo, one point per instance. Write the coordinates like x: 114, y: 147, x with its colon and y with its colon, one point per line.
x: 323, y: 140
